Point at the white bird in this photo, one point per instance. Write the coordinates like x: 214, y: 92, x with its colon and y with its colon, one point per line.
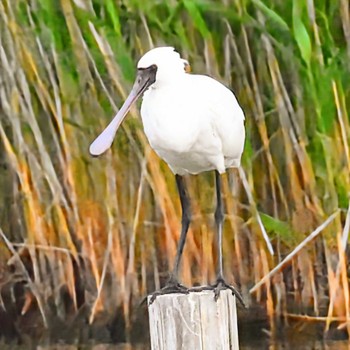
x: 195, y: 124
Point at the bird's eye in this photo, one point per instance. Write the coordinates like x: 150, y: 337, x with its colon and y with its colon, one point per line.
x: 151, y: 68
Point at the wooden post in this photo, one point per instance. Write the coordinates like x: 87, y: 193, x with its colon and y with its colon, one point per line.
x: 194, y: 321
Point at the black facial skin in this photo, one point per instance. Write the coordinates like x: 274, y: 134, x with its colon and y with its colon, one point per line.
x: 146, y: 77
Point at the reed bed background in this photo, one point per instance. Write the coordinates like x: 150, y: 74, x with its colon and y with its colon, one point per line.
x: 83, y: 240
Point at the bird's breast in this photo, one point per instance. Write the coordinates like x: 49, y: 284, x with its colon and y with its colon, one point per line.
x: 194, y: 126
x: 167, y: 123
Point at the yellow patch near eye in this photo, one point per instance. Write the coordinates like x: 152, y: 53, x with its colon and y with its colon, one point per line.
x: 187, y: 67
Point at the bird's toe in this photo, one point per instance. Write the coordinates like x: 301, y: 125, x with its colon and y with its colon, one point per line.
x: 217, y: 287
x: 171, y: 287
x: 222, y: 285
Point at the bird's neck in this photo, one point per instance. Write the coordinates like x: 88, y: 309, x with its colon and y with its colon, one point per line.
x: 169, y: 79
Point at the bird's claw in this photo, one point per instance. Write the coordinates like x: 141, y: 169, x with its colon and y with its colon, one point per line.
x: 171, y: 287
x: 222, y: 285
x: 217, y: 287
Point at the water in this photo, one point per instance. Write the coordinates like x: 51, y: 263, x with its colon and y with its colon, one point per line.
x: 303, y: 336
x: 252, y: 337
x: 296, y: 343
x: 254, y: 333
x: 310, y: 344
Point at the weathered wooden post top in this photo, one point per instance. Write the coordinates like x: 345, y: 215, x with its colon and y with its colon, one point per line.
x: 194, y: 321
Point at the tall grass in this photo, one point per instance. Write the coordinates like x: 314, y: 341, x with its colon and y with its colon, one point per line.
x: 85, y: 238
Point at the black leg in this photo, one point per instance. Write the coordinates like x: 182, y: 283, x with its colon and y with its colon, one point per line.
x: 173, y: 285
x: 185, y: 222
x: 220, y: 283
x: 219, y: 218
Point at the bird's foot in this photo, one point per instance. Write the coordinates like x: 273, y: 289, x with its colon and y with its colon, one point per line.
x: 222, y: 285
x: 217, y: 287
x: 172, y: 286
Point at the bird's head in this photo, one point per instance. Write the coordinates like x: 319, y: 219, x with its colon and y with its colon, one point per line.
x: 155, y: 67
x: 161, y: 64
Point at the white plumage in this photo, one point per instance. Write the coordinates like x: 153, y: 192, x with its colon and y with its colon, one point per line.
x: 192, y: 121
x: 195, y: 124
